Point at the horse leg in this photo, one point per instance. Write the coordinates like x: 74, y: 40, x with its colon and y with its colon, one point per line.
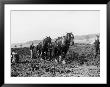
x: 96, y: 52
x: 31, y: 53
x: 49, y: 55
x: 42, y: 55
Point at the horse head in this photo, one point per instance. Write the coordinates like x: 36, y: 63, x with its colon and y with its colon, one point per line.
x: 69, y: 38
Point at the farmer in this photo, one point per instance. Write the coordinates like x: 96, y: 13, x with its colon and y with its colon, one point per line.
x: 15, y: 57
x: 31, y: 49
x: 97, y: 45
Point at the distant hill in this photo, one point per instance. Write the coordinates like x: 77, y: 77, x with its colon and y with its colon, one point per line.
x: 90, y: 38
x: 26, y: 44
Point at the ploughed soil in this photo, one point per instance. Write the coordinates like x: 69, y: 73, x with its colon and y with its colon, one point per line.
x: 80, y: 62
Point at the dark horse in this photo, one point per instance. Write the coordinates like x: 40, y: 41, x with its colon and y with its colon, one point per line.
x: 39, y: 49
x: 45, y: 48
x: 61, y: 46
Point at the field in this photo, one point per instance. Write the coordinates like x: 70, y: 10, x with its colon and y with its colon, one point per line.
x: 80, y: 62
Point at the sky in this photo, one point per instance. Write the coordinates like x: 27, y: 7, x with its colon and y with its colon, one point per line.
x: 36, y: 25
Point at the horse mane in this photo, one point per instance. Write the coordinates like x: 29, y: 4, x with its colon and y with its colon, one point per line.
x: 47, y: 41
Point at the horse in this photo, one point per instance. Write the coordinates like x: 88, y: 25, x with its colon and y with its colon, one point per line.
x: 45, y: 48
x: 39, y: 49
x: 61, y: 46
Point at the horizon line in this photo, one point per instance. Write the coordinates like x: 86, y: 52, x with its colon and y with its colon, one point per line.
x: 51, y: 38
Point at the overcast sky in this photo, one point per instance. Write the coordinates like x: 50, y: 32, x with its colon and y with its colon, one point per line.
x: 36, y: 25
